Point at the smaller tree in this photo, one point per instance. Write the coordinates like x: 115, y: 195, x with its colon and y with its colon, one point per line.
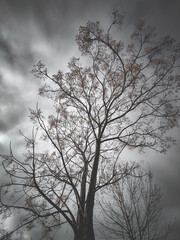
x: 134, y: 210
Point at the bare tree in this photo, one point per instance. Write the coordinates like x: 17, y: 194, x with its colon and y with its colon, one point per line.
x: 124, y: 98
x: 134, y: 209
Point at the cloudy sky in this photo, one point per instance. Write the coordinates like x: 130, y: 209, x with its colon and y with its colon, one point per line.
x: 45, y: 30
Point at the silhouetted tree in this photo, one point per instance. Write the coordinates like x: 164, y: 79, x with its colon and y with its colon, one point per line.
x: 124, y: 98
x: 132, y: 209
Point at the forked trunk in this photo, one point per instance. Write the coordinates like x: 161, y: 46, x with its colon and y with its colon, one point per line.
x: 89, y: 230
x: 85, y: 220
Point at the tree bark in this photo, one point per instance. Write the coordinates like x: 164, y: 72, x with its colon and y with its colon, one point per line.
x: 89, y: 230
x: 85, y: 213
x: 81, y: 210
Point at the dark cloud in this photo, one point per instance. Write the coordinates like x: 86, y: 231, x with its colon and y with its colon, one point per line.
x: 6, y: 50
x: 164, y: 15
x: 50, y: 18
x: 11, y: 104
x: 55, y: 23
x: 14, y: 53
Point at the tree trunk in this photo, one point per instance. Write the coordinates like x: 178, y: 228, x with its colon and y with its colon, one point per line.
x: 81, y: 227
x: 89, y: 230
x: 85, y: 216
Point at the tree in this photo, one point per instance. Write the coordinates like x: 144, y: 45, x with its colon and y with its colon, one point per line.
x: 134, y: 210
x: 124, y: 98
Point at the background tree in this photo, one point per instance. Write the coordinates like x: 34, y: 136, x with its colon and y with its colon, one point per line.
x: 124, y: 98
x: 134, y: 209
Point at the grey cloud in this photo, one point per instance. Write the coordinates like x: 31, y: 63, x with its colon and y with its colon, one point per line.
x: 55, y: 23
x: 49, y: 17
x: 10, y: 118
x: 14, y: 53
x: 6, y: 50
x: 11, y: 106
x: 163, y: 14
x: 26, y: 24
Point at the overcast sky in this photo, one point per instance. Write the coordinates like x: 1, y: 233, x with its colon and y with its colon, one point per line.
x: 33, y: 30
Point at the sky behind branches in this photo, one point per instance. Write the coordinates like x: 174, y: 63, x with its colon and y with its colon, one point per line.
x: 45, y: 30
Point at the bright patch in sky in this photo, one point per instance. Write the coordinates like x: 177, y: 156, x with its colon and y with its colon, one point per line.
x: 3, y: 139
